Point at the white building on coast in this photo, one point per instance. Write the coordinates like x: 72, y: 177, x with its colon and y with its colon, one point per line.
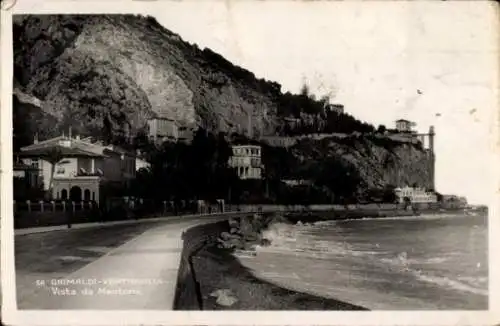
x: 415, y: 195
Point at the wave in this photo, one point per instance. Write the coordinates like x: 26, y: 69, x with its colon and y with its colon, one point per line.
x: 402, y: 259
x: 450, y: 283
x: 298, y: 241
x: 389, y: 218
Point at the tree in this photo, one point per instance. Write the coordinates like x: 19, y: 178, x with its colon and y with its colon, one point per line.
x: 304, y: 90
x: 53, y: 156
x: 381, y: 129
x: 340, y: 176
x: 389, y: 194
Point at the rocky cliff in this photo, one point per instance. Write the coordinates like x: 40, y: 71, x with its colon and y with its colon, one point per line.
x: 349, y: 165
x: 100, y: 72
x: 379, y: 161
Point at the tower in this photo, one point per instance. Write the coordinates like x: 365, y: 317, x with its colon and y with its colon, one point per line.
x: 432, y: 157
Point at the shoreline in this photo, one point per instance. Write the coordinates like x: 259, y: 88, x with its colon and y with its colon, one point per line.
x: 224, y: 283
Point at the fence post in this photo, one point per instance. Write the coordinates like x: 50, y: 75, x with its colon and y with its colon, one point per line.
x: 53, y: 206
x: 74, y: 207
x: 63, y: 206
x: 29, y: 205
x: 164, y: 207
x: 70, y: 215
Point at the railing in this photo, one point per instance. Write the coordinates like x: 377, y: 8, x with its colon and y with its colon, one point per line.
x: 53, y: 206
x: 43, y: 213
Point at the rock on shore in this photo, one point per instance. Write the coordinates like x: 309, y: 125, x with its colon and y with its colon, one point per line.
x: 245, y: 233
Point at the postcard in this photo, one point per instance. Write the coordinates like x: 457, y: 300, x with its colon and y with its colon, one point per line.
x: 249, y: 162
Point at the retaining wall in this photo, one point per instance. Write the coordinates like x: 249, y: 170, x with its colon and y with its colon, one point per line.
x: 187, y: 292
x: 282, y: 208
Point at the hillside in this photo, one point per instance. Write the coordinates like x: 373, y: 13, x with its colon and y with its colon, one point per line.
x: 378, y: 161
x: 105, y: 75
x: 115, y: 71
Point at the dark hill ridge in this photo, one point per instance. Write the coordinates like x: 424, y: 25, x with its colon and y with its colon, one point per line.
x: 105, y: 75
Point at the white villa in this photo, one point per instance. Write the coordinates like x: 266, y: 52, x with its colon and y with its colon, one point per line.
x: 404, y: 126
x: 247, y: 161
x: 416, y: 195
x: 84, y: 169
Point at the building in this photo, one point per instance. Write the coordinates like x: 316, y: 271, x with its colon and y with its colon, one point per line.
x: 454, y: 201
x: 25, y: 181
x: 27, y: 173
x: 84, y: 169
x: 415, y: 195
x: 247, y: 161
x: 404, y: 126
x: 162, y: 129
x: 141, y: 162
x: 338, y: 108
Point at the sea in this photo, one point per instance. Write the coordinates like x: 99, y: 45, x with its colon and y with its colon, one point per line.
x: 428, y: 262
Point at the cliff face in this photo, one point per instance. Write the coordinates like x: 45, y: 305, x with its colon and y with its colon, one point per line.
x: 379, y: 161
x: 115, y: 71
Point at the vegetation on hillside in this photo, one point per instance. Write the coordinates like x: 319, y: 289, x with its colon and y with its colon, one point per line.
x: 314, y: 116
x: 187, y: 171
x: 200, y: 170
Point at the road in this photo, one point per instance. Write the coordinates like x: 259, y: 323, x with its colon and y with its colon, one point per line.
x: 119, y: 267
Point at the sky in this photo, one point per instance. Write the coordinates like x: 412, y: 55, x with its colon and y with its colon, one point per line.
x: 432, y: 62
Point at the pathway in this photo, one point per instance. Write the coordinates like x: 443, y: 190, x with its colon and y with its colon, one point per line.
x: 136, y: 268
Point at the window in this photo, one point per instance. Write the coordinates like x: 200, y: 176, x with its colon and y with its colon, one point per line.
x: 60, y: 170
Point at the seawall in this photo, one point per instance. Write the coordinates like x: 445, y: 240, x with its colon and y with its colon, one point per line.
x: 187, y: 295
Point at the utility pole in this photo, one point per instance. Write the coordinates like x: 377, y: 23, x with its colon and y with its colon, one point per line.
x: 432, y: 157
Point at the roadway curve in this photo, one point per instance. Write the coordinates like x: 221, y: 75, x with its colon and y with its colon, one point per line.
x: 145, y: 256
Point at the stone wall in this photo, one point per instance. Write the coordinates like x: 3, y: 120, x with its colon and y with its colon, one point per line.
x: 187, y: 296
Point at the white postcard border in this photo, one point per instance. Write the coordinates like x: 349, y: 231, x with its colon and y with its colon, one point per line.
x: 11, y: 316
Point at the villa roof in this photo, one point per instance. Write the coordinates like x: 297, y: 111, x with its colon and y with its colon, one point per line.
x: 403, y: 120
x: 65, y: 151
x: 74, y: 147
x: 248, y: 146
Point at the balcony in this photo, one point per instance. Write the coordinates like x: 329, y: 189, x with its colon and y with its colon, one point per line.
x: 84, y: 173
x: 255, y: 163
